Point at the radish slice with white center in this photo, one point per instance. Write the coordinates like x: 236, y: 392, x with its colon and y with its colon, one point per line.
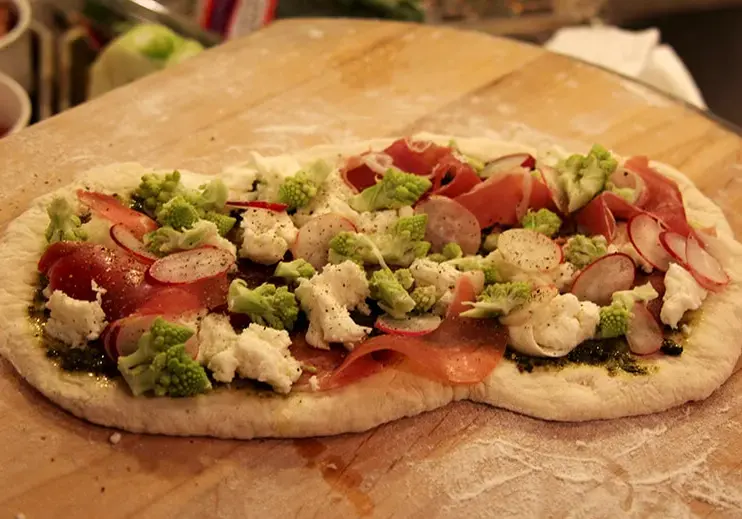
x: 414, y: 326
x: 540, y: 297
x: 508, y: 163
x: 704, y: 267
x: 313, y: 240
x: 257, y: 204
x: 644, y: 233
x: 675, y: 244
x: 127, y: 241
x: 603, y: 277
x: 191, y: 265
x: 644, y: 334
x: 529, y: 250
x: 450, y: 222
x: 558, y: 195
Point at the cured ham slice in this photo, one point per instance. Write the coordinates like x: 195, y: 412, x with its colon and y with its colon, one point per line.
x: 499, y: 199
x: 110, y: 208
x: 459, y: 351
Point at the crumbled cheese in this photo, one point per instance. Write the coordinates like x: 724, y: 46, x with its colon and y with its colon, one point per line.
x: 267, y: 235
x: 682, y: 293
x: 327, y: 299
x: 72, y: 321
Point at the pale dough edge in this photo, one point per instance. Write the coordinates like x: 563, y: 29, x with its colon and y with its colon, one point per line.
x: 573, y: 394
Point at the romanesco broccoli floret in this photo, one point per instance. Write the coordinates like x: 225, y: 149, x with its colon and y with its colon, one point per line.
x: 156, y: 190
x: 614, y: 321
x: 389, y: 293
x: 499, y: 299
x: 161, y: 365
x: 425, y: 298
x: 582, y: 250
x: 543, y: 221
x: 396, y: 189
x: 298, y: 190
x: 584, y: 176
x: 293, y: 270
x: 411, y: 227
x: 178, y: 213
x: 265, y: 305
x: 405, y: 278
x: 452, y: 251
x: 223, y: 222
x: 64, y: 224
x: 490, y: 242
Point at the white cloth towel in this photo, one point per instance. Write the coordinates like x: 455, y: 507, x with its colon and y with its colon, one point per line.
x: 637, y: 54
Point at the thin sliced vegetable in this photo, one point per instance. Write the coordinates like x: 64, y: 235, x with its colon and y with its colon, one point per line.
x: 644, y: 233
x: 191, y: 265
x: 644, y: 334
x: 704, y: 267
x: 450, y: 222
x: 603, y: 277
x: 413, y: 326
x: 130, y: 243
x: 313, y: 240
x: 529, y: 250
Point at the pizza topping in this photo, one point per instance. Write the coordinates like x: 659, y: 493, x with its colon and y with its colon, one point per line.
x: 268, y: 235
x: 265, y: 305
x: 583, y: 176
x: 64, y: 224
x: 191, y: 265
x: 682, y: 293
x: 450, y: 222
x: 603, y: 277
x: 73, y: 321
x: 112, y: 209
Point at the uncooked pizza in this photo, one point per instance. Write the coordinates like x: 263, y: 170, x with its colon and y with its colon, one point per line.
x: 341, y: 287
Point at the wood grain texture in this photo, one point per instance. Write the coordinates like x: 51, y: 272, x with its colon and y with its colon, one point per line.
x: 301, y: 83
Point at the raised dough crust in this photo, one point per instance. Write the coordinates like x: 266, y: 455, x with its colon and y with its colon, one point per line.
x: 574, y: 393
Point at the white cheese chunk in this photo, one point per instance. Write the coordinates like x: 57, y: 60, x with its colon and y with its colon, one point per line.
x: 682, y: 293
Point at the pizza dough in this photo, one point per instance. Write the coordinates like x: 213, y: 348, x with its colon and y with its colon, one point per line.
x: 572, y: 393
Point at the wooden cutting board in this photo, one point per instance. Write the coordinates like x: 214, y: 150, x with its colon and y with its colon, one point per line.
x: 301, y: 83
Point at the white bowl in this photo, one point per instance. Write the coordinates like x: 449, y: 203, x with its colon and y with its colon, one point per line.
x: 15, y: 106
x: 15, y: 47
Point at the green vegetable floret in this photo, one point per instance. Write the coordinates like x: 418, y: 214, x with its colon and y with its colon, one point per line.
x: 582, y: 250
x: 543, y: 221
x: 390, y: 295
x: 178, y: 213
x: 293, y: 270
x: 297, y: 191
x: 614, y: 321
x: 584, y: 176
x: 64, y: 224
x: 224, y: 223
x: 396, y: 189
x: 425, y: 298
x: 156, y: 190
x: 405, y: 278
x: 500, y: 299
x: 161, y: 365
x: 265, y: 305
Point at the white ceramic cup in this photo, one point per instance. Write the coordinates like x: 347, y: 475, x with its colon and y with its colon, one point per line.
x: 15, y: 106
x: 15, y: 47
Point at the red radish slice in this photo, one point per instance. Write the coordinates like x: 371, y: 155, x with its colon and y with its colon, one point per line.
x: 127, y: 241
x: 704, y: 267
x: 644, y: 334
x: 508, y: 163
x: 603, y: 277
x: 191, y: 265
x: 644, y: 233
x: 529, y: 250
x: 675, y: 244
x: 540, y: 296
x: 257, y: 204
x: 549, y: 178
x: 410, y: 326
x: 449, y: 222
x: 313, y: 240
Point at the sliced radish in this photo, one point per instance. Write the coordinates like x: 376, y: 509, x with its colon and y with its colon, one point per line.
x: 603, y: 277
x: 704, y: 267
x: 508, y: 163
x: 449, y: 221
x: 644, y: 334
x: 625, y: 178
x: 410, y: 327
x: 558, y: 195
x: 675, y: 244
x: 529, y: 250
x: 313, y: 240
x: 644, y: 233
x: 540, y: 297
x: 257, y: 204
x: 191, y: 265
x: 127, y: 241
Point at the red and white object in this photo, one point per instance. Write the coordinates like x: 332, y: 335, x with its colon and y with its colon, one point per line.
x: 450, y: 222
x: 704, y: 267
x: 191, y: 265
x: 313, y: 240
x: 604, y: 276
x: 644, y: 334
x: 529, y: 250
x: 131, y: 244
x: 414, y: 326
x: 644, y: 233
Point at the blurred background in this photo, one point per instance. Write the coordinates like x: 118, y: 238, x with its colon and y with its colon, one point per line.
x: 55, y: 54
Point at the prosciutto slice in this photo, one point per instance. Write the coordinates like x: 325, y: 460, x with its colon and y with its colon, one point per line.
x: 459, y: 351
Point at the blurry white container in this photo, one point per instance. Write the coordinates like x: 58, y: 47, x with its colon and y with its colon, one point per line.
x: 15, y: 47
x: 15, y: 106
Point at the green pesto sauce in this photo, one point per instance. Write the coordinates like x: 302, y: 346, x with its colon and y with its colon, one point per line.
x: 612, y: 354
x: 92, y: 359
